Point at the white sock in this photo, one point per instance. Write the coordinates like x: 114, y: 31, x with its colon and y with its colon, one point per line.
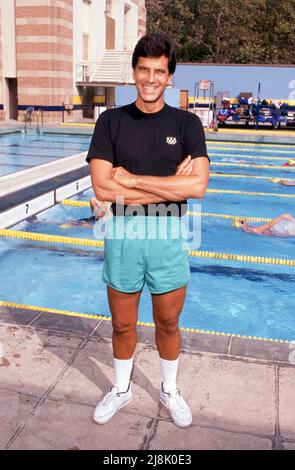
x: 123, y: 368
x: 169, y: 373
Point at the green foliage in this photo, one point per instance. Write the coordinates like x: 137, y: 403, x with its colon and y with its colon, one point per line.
x: 227, y: 31
x: 175, y: 18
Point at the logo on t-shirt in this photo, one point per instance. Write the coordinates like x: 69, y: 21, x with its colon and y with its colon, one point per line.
x: 171, y: 140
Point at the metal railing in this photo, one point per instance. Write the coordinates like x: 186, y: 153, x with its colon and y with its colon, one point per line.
x: 85, y: 70
x: 126, y: 69
x: 88, y: 71
x: 126, y: 43
x: 28, y: 118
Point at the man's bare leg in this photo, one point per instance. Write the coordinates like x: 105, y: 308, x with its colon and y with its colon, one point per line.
x: 166, y: 310
x: 124, y: 310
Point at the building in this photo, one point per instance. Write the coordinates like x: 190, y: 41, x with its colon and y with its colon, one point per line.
x: 65, y: 57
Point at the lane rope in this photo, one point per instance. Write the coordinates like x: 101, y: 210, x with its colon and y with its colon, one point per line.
x: 228, y: 216
x: 253, y: 165
x: 235, y: 155
x: 245, y: 144
x: 44, y: 237
x: 99, y: 243
x: 248, y: 193
x: 236, y: 144
x: 72, y: 202
x: 243, y: 258
x: 70, y: 313
x: 234, y: 175
x: 201, y: 214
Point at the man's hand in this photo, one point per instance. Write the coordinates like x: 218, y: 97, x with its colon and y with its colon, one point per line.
x: 185, y: 167
x: 104, y: 209
x: 100, y: 208
x: 128, y: 180
x: 123, y: 177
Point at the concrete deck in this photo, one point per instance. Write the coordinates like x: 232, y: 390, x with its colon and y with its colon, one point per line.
x: 55, y: 369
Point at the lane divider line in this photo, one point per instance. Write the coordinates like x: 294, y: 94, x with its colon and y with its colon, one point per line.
x: 44, y: 237
x: 199, y: 214
x: 70, y: 313
x: 249, y: 193
x: 254, y: 157
x: 253, y: 165
x: 286, y: 152
x: 245, y: 144
x: 243, y: 258
x: 228, y: 216
x: 251, y: 144
x: 99, y: 243
x: 74, y: 203
x: 235, y: 175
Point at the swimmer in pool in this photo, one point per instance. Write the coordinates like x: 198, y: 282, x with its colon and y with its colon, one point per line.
x: 283, y: 182
x: 290, y: 162
x: 281, y: 226
x: 99, y: 209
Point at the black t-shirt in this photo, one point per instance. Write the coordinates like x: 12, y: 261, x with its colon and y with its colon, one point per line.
x: 147, y: 143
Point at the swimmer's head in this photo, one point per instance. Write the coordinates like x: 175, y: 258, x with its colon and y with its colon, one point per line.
x: 32, y: 218
x: 275, y: 180
x: 291, y: 162
x: 238, y: 223
x: 64, y: 226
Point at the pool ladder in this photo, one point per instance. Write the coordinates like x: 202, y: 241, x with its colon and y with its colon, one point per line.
x: 28, y: 117
x: 39, y: 113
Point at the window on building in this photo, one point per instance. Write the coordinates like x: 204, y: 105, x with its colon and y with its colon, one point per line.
x: 85, y: 46
x: 109, y: 6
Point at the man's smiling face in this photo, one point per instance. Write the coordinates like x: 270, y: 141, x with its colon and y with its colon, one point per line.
x: 151, y: 76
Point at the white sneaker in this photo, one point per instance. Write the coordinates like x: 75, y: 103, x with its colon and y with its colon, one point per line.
x: 110, y: 404
x: 178, y: 407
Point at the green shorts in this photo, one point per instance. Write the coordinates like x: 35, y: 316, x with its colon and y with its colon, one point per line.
x: 141, y: 249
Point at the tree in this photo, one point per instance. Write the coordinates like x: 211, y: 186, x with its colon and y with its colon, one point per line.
x: 227, y: 31
x: 175, y: 18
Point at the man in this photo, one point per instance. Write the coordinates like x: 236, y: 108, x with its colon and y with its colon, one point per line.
x: 147, y: 153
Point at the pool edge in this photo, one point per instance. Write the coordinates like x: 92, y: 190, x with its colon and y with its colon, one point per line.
x: 227, y: 345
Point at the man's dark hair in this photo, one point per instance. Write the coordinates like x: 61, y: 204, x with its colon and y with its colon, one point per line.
x: 155, y: 45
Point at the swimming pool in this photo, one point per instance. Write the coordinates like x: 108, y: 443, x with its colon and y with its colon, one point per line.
x: 20, y: 151
x: 231, y: 296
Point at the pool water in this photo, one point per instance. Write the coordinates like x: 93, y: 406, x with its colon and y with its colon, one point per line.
x: 20, y: 151
x: 225, y: 296
x: 218, y: 296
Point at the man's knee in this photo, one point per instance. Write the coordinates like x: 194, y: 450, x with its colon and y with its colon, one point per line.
x: 120, y: 327
x: 168, y: 325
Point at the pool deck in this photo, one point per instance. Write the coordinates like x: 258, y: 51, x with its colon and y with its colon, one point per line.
x: 86, y: 126
x: 55, y: 368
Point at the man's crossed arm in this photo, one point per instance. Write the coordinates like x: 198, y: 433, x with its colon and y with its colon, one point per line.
x: 189, y: 181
